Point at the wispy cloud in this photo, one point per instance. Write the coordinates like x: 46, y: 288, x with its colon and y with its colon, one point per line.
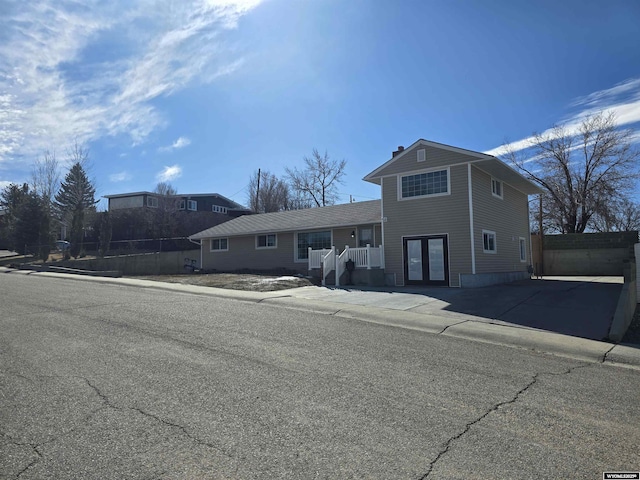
x: 169, y: 173
x: 181, y: 142
x: 622, y: 99
x: 120, y: 177
x: 82, y: 71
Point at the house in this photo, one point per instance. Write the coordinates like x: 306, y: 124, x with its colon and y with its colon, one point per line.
x: 283, y: 240
x: 447, y: 216
x: 149, y: 215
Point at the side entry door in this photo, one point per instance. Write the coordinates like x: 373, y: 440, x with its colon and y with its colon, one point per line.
x: 426, y: 260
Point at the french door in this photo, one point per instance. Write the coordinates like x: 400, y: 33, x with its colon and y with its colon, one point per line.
x: 426, y: 260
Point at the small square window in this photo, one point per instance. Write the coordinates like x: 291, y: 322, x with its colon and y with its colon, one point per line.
x: 219, y: 244
x: 152, y: 202
x: 266, y: 241
x: 192, y: 205
x: 182, y: 205
x: 496, y: 188
x: 489, y: 242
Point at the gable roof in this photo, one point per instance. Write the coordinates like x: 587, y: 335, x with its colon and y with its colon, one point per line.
x: 488, y: 163
x: 333, y: 216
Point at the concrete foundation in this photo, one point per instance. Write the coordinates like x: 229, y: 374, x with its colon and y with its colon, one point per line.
x: 486, y: 279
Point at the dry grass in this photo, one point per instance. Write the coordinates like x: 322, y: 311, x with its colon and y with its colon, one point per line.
x: 236, y: 281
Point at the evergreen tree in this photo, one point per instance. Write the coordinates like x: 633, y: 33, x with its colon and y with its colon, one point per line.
x: 105, y: 231
x: 11, y: 199
x: 26, y: 221
x: 32, y: 229
x: 75, y: 197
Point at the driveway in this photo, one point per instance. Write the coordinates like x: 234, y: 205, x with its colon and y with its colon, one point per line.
x: 577, y: 306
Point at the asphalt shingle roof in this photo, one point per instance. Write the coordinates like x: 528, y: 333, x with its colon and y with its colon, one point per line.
x: 346, y: 215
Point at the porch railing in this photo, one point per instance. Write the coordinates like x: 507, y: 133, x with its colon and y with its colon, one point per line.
x: 363, y: 257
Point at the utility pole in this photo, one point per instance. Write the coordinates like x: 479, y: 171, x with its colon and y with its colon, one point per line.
x: 258, y: 194
x: 541, y: 238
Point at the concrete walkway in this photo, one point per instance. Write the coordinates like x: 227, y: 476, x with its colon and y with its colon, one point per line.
x: 577, y: 306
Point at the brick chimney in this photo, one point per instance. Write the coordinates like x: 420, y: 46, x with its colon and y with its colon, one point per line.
x: 399, y: 151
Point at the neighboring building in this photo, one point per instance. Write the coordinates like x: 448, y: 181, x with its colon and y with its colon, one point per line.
x: 448, y: 216
x: 201, y: 202
x: 141, y: 215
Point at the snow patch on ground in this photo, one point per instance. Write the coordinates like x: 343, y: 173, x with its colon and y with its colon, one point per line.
x: 286, y: 278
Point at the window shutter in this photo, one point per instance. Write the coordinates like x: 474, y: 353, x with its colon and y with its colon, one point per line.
x: 422, y: 155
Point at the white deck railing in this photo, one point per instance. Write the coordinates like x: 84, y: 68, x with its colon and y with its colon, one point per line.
x: 363, y: 257
x: 316, y: 256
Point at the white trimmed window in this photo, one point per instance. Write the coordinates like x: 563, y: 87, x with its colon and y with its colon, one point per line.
x: 425, y: 184
x: 152, y: 202
x: 192, y: 205
x: 219, y: 244
x: 489, y: 242
x: 269, y: 240
x: 315, y: 240
x: 183, y: 205
x: 218, y: 209
x: 523, y: 249
x: 496, y: 188
x: 365, y: 236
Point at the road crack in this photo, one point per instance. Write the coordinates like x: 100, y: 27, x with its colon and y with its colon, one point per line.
x: 452, y: 325
x: 604, y: 357
x: 34, y: 448
x: 193, y: 438
x: 448, y: 444
x: 184, y: 430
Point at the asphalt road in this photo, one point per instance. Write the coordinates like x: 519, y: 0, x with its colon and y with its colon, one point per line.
x: 114, y: 381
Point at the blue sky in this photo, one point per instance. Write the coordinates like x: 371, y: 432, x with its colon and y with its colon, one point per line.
x: 202, y: 93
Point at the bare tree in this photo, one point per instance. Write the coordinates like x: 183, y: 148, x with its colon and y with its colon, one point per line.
x: 273, y: 195
x: 581, y: 172
x: 45, y: 176
x: 164, y: 221
x: 319, y: 179
x: 45, y: 182
x: 618, y: 216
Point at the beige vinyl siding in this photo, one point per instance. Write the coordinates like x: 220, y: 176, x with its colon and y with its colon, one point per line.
x: 447, y: 214
x: 508, y: 217
x: 342, y: 237
x: 377, y: 235
x: 436, y: 157
x: 242, y: 253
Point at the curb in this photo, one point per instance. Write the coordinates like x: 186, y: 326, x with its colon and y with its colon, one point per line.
x: 593, y: 351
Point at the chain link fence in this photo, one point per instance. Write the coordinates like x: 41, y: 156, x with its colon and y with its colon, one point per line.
x: 115, y: 248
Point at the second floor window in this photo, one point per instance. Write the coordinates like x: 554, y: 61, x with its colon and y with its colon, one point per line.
x: 218, y: 209
x: 192, y: 205
x: 424, y: 184
x: 496, y: 188
x: 152, y: 202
